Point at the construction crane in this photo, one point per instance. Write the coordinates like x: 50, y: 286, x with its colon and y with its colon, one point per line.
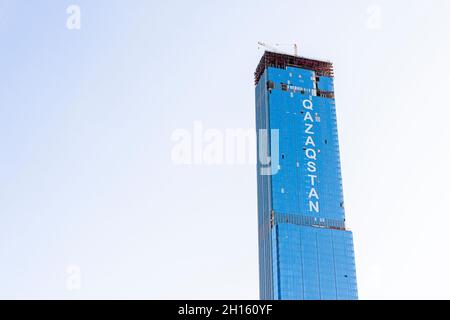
x: 275, y: 49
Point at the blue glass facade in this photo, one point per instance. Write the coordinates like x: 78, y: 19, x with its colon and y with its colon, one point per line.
x: 305, y: 250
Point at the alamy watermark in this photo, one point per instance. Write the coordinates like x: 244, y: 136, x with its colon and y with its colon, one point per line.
x: 211, y: 146
x: 73, y: 21
x: 73, y: 279
x: 374, y: 17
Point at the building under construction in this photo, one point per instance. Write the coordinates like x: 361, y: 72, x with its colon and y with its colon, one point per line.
x: 305, y: 249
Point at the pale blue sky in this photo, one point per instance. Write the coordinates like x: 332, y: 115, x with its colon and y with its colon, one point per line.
x: 86, y: 118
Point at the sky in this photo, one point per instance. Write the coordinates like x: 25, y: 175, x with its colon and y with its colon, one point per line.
x: 93, y: 203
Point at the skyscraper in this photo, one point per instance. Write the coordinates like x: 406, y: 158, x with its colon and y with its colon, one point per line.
x: 305, y: 250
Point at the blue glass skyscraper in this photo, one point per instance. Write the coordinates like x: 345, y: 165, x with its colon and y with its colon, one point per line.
x: 305, y: 250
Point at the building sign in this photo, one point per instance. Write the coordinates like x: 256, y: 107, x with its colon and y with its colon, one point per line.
x: 311, y: 156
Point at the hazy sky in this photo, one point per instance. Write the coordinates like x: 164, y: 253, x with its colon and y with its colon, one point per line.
x: 92, y: 204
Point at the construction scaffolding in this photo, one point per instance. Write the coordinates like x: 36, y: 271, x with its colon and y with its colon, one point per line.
x: 279, y: 60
